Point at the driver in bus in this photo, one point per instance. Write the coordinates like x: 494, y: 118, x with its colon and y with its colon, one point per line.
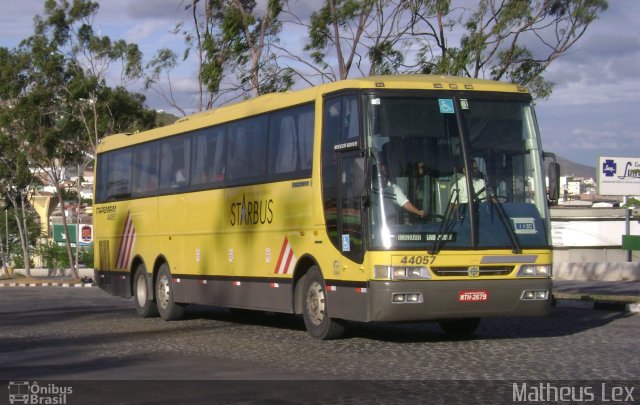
x: 394, y: 192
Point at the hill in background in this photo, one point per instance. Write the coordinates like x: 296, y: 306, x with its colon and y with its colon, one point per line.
x: 569, y: 168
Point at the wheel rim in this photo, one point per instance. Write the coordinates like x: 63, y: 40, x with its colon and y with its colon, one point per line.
x: 315, y: 303
x: 141, y: 290
x: 164, y: 291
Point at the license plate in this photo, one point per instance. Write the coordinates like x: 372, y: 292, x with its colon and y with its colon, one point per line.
x: 473, y: 296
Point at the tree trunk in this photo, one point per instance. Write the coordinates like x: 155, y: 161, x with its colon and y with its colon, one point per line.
x: 22, y: 232
x: 24, y: 241
x: 26, y: 252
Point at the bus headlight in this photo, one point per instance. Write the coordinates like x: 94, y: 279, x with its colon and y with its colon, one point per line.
x: 535, y: 270
x: 401, y: 272
x: 407, y: 298
x: 535, y: 295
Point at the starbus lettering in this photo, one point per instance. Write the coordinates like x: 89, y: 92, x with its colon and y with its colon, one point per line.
x: 251, y: 212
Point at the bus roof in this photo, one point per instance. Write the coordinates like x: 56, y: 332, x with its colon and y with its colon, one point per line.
x: 274, y: 101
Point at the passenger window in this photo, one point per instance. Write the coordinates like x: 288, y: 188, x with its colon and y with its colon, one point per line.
x: 291, y: 143
x: 208, y: 158
x: 145, y: 170
x: 246, y: 151
x: 174, y: 164
x: 119, y: 175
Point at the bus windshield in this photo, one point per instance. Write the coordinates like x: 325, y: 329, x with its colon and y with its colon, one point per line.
x: 420, y: 149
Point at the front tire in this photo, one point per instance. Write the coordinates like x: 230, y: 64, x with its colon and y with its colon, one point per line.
x: 145, y: 306
x: 315, y: 314
x: 165, y: 298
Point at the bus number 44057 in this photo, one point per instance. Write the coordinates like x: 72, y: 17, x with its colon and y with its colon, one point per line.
x: 418, y: 260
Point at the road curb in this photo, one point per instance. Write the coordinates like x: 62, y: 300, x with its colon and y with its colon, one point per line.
x: 620, y: 303
x: 65, y: 285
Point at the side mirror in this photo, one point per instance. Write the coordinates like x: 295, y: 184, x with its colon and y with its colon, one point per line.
x: 554, y: 183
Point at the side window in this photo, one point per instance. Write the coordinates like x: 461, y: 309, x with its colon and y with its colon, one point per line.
x: 175, y: 164
x: 350, y: 119
x: 101, y: 177
x: 208, y: 158
x: 145, y: 170
x: 331, y: 133
x: 118, y: 176
x: 246, y: 151
x: 291, y: 143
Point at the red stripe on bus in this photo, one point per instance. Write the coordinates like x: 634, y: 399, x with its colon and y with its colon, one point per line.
x: 285, y: 270
x: 122, y: 242
x: 127, y: 243
x: 282, y: 250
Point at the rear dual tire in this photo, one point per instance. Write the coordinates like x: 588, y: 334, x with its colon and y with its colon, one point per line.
x: 142, y: 297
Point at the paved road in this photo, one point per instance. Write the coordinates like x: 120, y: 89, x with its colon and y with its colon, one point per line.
x: 82, y: 334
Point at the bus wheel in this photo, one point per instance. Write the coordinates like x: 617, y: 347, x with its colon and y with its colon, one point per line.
x: 145, y: 307
x: 168, y: 308
x: 459, y: 328
x: 316, y: 318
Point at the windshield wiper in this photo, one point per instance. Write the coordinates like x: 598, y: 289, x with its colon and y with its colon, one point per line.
x: 504, y: 219
x: 446, y: 223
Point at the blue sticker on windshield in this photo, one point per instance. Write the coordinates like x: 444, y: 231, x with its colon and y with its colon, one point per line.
x: 446, y: 106
x: 346, y: 243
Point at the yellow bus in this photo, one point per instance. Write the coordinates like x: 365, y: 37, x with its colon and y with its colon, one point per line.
x: 342, y: 202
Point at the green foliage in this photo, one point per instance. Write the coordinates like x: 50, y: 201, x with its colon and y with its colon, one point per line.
x: 53, y: 256
x: 58, y: 106
x: 230, y: 37
x: 632, y: 202
x: 338, y: 24
x: 514, y: 40
x: 85, y: 257
x: 15, y: 247
x: 385, y: 59
x: 509, y: 40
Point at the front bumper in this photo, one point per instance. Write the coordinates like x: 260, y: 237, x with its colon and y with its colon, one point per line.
x: 442, y: 299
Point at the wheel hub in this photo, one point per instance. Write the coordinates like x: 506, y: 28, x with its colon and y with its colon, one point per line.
x: 141, y: 290
x: 163, y: 292
x: 316, y: 303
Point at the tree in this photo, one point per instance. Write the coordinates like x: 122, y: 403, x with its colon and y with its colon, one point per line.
x: 228, y: 36
x: 66, y: 105
x: 339, y: 24
x: 511, y: 40
x: 247, y: 35
x: 15, y: 177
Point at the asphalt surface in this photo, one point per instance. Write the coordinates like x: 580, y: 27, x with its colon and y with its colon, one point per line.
x: 94, y: 343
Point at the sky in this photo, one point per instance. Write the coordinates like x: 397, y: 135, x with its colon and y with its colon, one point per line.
x: 593, y: 110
